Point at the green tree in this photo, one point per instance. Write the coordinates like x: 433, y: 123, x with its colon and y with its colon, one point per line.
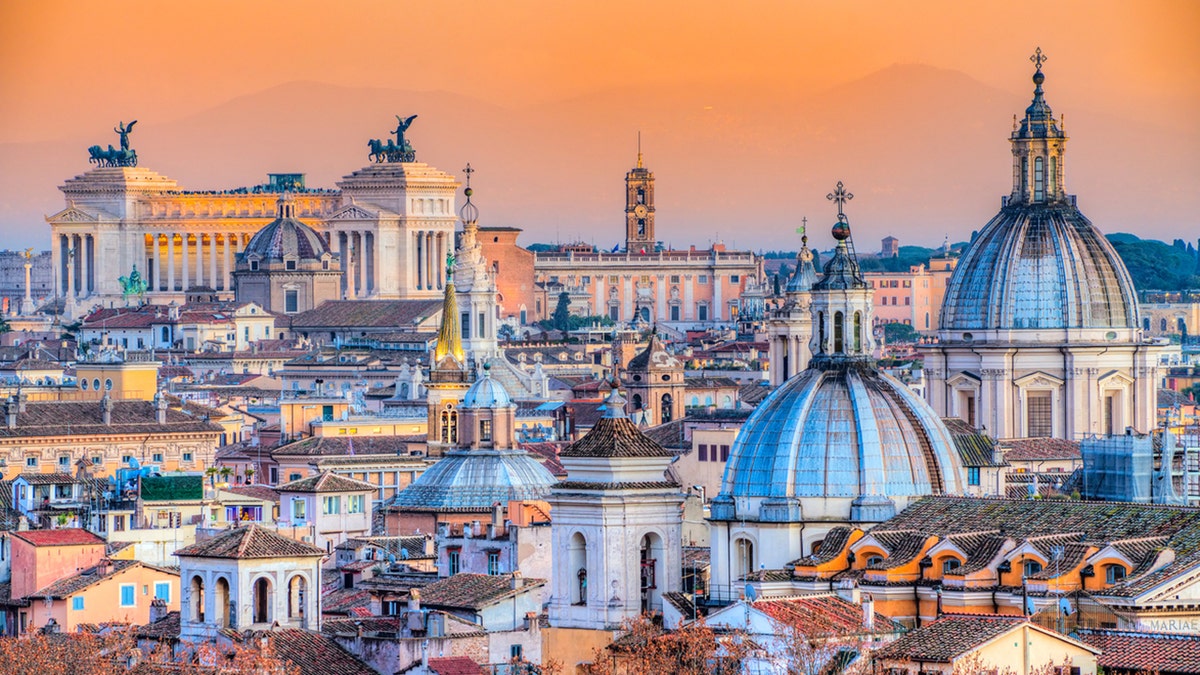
x: 900, y: 332
x: 561, y: 319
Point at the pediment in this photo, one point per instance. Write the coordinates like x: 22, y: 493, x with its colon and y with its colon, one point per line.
x: 1115, y: 377
x: 75, y: 214
x: 1181, y: 587
x: 1038, y: 378
x: 356, y: 212
x: 964, y: 378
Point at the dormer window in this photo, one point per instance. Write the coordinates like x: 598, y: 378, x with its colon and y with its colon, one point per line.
x: 253, y: 265
x: 1032, y: 567
x: 289, y: 265
x: 1114, y: 574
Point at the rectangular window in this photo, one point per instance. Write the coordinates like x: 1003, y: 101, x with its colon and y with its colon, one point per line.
x: 724, y: 453
x: 494, y: 563
x: 485, y: 431
x: 64, y: 461
x: 289, y: 265
x: 77, y: 603
x: 97, y: 460
x: 465, y: 326
x: 734, y: 278
x: 187, y: 456
x: 331, y: 506
x: 157, y: 457
x: 907, y: 301
x: 299, y: 510
x: 162, y: 590
x: 31, y: 461
x: 128, y: 596
x: 972, y: 475
x: 703, y: 279
x: 125, y: 459
x: 674, y: 312
x: 452, y: 561
x: 356, y: 503
x: 291, y: 301
x: 1039, y: 411
x: 612, y: 279
x: 703, y: 453
x: 702, y: 312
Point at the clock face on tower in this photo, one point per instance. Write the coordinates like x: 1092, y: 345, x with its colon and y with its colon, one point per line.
x: 640, y: 211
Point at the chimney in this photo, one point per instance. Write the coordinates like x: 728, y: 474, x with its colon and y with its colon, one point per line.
x: 497, y: 516
x: 158, y: 610
x: 22, y: 399
x: 531, y: 622
x: 106, y: 408
x: 868, y: 612
x: 414, y: 600
x: 517, y: 581
x: 10, y: 413
x: 160, y: 408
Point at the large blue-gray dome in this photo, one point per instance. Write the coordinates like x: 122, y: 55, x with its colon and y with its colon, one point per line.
x: 1039, y: 266
x: 847, y: 433
x: 474, y: 480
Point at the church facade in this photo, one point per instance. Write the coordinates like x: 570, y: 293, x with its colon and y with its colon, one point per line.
x: 391, y: 224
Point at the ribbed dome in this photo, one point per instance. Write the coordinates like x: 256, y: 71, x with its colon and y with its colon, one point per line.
x: 1039, y: 266
x: 474, y: 480
x: 486, y: 393
x: 286, y: 236
x: 840, y: 433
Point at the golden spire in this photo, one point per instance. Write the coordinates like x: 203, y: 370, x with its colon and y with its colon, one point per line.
x: 640, y: 151
x: 449, y: 339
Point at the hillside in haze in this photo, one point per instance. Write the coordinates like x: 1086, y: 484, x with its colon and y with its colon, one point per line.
x: 924, y: 150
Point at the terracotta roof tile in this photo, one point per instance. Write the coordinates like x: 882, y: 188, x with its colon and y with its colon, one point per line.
x: 47, y: 478
x: 366, y: 314
x: 316, y: 653
x: 455, y: 665
x: 339, y: 446
x: 615, y: 437
x: 820, y: 615
x: 946, y: 639
x: 82, y: 418
x: 253, y: 541
x: 263, y: 492
x: 473, y: 591
x: 166, y: 628
x: 77, y: 582
x: 1145, y: 652
x: 1029, y: 449
x: 72, y: 536
x: 327, y: 481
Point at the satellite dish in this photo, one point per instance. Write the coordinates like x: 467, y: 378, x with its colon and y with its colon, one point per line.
x: 1064, y: 607
x: 391, y: 558
x: 751, y: 593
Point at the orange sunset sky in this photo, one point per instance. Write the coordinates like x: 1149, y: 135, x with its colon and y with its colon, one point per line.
x: 749, y: 111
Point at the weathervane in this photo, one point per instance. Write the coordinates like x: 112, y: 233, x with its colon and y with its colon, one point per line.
x: 840, y: 196
x: 1038, y: 58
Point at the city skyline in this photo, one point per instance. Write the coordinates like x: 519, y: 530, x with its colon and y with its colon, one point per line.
x: 548, y: 109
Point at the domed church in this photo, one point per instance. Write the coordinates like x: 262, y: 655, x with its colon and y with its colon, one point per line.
x: 1039, y: 331
x: 840, y: 443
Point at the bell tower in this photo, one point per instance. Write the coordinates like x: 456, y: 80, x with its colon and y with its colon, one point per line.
x: 639, y: 207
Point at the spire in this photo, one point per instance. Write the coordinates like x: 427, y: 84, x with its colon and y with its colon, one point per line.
x: 842, y: 271
x: 805, y: 275
x: 639, y: 164
x: 614, y: 404
x: 449, y: 339
x: 469, y: 213
x: 1039, y: 119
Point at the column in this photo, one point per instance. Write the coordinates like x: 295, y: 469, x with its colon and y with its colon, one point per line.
x: 717, y: 313
x: 228, y: 245
x: 661, y: 310
x: 371, y: 284
x: 418, y: 248
x: 429, y: 261
x: 56, y: 258
x: 441, y: 256
x: 156, y: 283
x: 351, y: 280
x: 199, y: 258
x: 71, y: 252
x: 376, y: 259
x: 183, y: 240
x: 170, y: 261
x: 212, y: 260
x: 86, y: 270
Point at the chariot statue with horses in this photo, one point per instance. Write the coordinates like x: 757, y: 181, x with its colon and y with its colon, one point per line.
x: 399, y: 150
x: 123, y: 156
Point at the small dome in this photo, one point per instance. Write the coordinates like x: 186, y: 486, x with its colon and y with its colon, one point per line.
x: 474, y: 480
x: 849, y: 433
x: 805, y: 275
x: 286, y: 237
x: 486, y: 393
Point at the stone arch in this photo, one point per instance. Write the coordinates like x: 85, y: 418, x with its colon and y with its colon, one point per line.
x: 577, y: 567
x: 743, y: 550
x: 196, y: 599
x: 262, y: 606
x: 221, y: 603
x: 668, y: 403
x: 297, y: 597
x: 652, y: 560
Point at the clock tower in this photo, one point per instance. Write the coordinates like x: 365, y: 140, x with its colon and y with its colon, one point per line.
x: 639, y: 208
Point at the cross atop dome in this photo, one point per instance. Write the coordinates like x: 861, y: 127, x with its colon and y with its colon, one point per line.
x: 840, y: 196
x: 1038, y: 58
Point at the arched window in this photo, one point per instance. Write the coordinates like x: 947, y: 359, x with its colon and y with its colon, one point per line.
x: 874, y: 560
x: 196, y: 599
x: 743, y: 551
x: 221, y: 604
x: 297, y: 588
x: 1031, y: 567
x: 262, y: 600
x: 1039, y: 180
x: 450, y: 426
x: 858, y: 332
x: 650, y: 554
x: 577, y: 554
x: 637, y: 401
x: 839, y: 342
x: 821, y: 332
x: 667, y: 402
x: 1052, y: 181
x: 1146, y: 323
x: 695, y: 401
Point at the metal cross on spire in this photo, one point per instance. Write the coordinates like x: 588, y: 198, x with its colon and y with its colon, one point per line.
x: 468, y: 171
x: 803, y: 229
x: 840, y: 196
x: 1038, y: 58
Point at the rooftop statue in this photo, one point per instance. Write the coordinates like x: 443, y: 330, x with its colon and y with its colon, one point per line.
x: 133, y: 284
x: 125, y: 156
x: 399, y: 150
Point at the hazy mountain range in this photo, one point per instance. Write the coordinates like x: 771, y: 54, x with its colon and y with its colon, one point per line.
x: 924, y: 149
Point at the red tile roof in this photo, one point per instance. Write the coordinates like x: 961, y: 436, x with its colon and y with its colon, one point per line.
x: 1146, y: 652
x: 327, y: 481
x: 820, y: 615
x: 83, y: 418
x: 615, y: 437
x: 316, y: 653
x: 366, y: 314
x: 73, y: 536
x: 263, y: 492
x: 455, y: 665
x: 1029, y: 449
x: 473, y: 591
x: 253, y: 541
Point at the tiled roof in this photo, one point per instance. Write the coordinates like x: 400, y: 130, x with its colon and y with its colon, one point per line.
x: 547, y: 453
x: 981, y: 548
x: 682, y: 604
x: 454, y: 665
x: 342, y: 600
x: 752, y: 394
x: 473, y: 591
x: 316, y: 653
x: 326, y: 481
x: 77, y: 582
x: 628, y: 485
x: 252, y: 541
x: 615, y: 437
x: 334, y: 446
x: 832, y: 545
x: 902, y: 547
x: 710, y: 382
x: 366, y: 314
x: 1029, y: 449
x: 263, y: 492
x: 974, y: 447
x: 819, y: 615
x: 166, y: 628
x: 670, y: 435
x: 72, y: 536
x: 948, y: 638
x: 83, y: 418
x: 696, y: 557
x: 369, y: 625
x: 47, y: 478
x: 1145, y: 652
